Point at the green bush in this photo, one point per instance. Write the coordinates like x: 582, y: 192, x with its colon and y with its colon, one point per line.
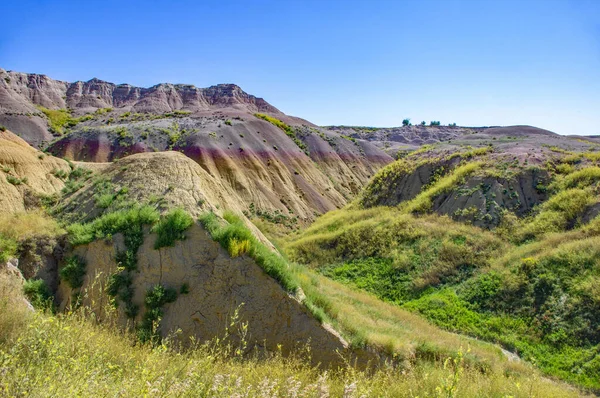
x: 406, y: 122
x: 8, y: 248
x: 38, y: 293
x: 156, y: 298
x: 171, y: 227
x: 73, y: 272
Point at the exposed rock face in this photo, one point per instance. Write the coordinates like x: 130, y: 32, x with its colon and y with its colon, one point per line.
x: 250, y: 171
x: 218, y: 285
x: 20, y: 92
x: 26, y: 173
x: 39, y: 257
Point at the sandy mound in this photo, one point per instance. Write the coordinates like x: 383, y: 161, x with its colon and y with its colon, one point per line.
x: 26, y: 173
x: 164, y: 179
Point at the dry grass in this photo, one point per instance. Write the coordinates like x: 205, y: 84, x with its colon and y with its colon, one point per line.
x: 25, y: 225
x: 14, y: 314
x: 69, y: 355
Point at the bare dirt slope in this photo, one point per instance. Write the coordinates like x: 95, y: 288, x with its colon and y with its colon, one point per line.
x: 26, y: 173
x: 218, y: 286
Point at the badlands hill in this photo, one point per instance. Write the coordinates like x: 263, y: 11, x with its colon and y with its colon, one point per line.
x: 277, y: 165
x: 139, y: 211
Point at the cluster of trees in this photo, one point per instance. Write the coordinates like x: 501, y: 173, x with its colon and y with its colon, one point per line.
x: 406, y: 122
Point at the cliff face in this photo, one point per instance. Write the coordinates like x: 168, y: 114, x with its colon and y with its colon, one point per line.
x: 20, y: 92
x: 218, y: 286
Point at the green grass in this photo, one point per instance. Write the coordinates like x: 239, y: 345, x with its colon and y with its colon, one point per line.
x: 237, y: 239
x: 539, y: 299
x: 172, y: 227
x: 129, y: 222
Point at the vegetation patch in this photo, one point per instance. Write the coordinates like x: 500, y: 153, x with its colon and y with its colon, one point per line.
x: 238, y: 240
x: 38, y: 294
x: 156, y: 298
x: 289, y: 131
x: 538, y: 299
x: 15, y: 180
x: 73, y: 272
x: 171, y: 228
x: 61, y: 119
x: 423, y: 201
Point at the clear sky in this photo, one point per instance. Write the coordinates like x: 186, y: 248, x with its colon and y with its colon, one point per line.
x: 473, y: 62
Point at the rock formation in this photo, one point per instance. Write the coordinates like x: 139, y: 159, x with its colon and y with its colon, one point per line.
x: 218, y: 285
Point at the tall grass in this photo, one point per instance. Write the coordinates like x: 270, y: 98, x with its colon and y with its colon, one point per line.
x: 69, y: 355
x: 537, y: 299
x: 17, y: 227
x: 109, y: 224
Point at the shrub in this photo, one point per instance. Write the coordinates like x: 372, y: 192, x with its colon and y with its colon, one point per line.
x: 156, y: 297
x: 16, y: 181
x: 58, y: 119
x: 2, y: 128
x: 171, y: 228
x: 73, y: 272
x: 8, y: 249
x: 434, y: 123
x: 38, y: 293
x: 104, y: 201
x: 406, y: 122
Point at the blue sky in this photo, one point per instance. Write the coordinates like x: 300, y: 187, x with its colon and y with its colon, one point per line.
x: 335, y: 62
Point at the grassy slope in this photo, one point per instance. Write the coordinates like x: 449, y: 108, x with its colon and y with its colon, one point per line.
x: 103, y: 361
x: 68, y: 355
x: 528, y: 286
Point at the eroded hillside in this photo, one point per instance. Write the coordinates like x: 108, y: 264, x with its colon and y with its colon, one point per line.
x: 277, y: 165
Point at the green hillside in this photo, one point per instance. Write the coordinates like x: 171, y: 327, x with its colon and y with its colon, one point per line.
x: 528, y: 281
